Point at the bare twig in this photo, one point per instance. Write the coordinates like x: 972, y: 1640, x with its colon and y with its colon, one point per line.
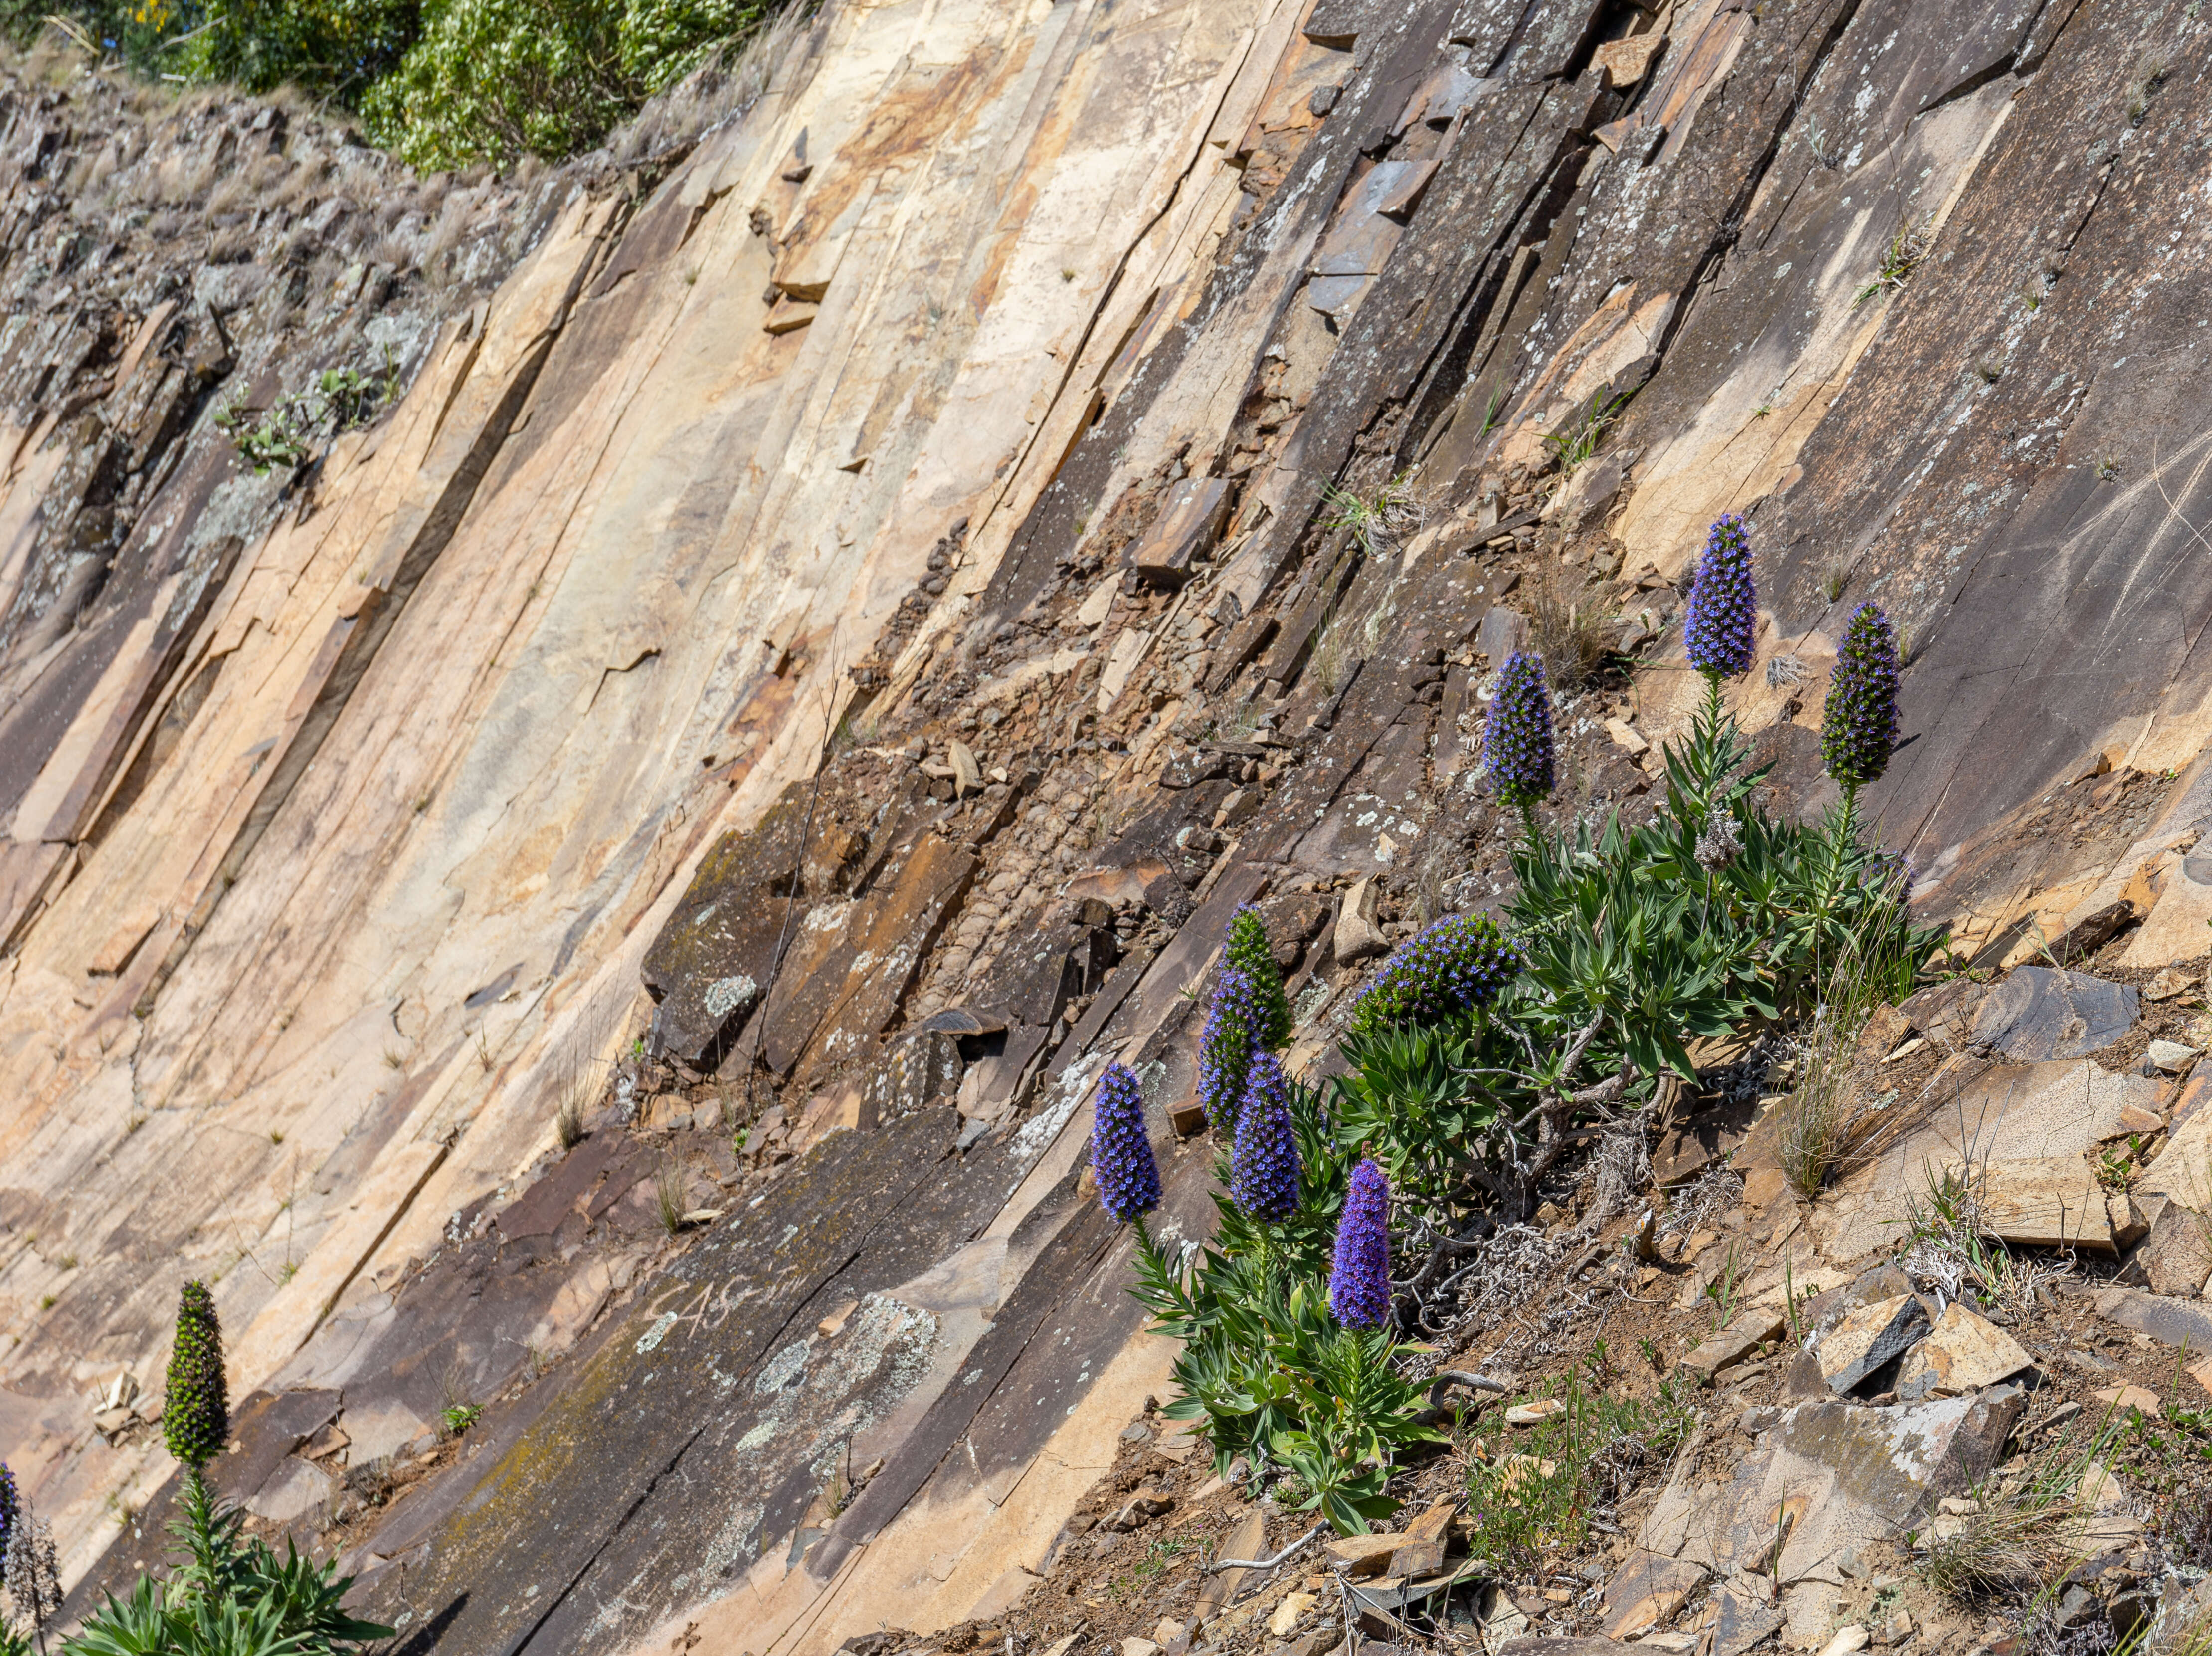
x: 1220, y: 1564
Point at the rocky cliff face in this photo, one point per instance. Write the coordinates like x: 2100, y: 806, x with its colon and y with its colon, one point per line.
x: 822, y: 611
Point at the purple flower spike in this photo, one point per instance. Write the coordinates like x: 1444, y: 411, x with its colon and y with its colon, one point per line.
x: 1359, y: 1280
x: 1517, y: 738
x: 1233, y: 1024
x: 1723, y: 619
x: 1121, y: 1153
x: 1858, y: 725
x: 11, y: 1506
x: 1264, y: 1166
x: 1462, y: 962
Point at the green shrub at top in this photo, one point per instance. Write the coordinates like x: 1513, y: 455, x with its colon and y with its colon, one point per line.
x: 491, y: 80
x: 330, y: 48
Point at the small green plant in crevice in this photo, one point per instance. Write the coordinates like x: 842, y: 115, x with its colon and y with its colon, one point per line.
x: 1573, y: 444
x: 1537, y: 1492
x: 456, y: 1418
x: 1376, y: 523
x: 2107, y: 467
x: 2116, y: 1163
x: 1902, y: 256
x: 1946, y: 1246
x: 1725, y: 1291
x: 286, y: 434
x: 1493, y: 407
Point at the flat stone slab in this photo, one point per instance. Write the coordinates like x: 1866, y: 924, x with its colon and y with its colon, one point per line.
x: 2037, y: 1013
x: 2057, y: 1113
x: 1827, y: 1477
x: 1964, y: 1352
x: 2170, y: 1322
x: 2052, y: 1201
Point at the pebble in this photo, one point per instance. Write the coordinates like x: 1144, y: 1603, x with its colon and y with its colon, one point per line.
x: 2171, y: 1056
x: 1534, y: 1414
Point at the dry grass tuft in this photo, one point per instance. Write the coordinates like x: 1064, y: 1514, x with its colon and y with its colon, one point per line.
x: 1572, y: 627
x: 2029, y: 1526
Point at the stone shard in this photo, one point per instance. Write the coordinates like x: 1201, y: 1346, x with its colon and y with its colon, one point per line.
x: 1725, y: 1347
x: 1962, y: 1353
x: 2050, y: 1202
x: 1646, y: 1591
x: 2039, y: 1013
x: 1869, y: 1338
x: 2175, y: 1258
x: 1189, y: 523
x: 1358, y: 933
x: 1945, y: 1012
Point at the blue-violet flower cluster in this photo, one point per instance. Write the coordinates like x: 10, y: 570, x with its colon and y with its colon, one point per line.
x: 1722, y: 630
x: 1264, y: 1165
x: 1858, y: 725
x: 1225, y: 1047
x: 11, y: 1506
x: 1517, y: 738
x: 1462, y: 962
x: 1121, y: 1153
x: 1359, y: 1279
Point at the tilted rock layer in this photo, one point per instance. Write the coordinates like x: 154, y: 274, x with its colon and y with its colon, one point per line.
x: 979, y: 380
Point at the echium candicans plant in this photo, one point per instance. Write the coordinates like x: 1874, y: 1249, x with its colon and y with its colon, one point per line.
x: 31, y: 1570
x: 1264, y: 1165
x: 1719, y: 635
x: 1516, y: 737
x: 1359, y: 1274
x: 1249, y: 953
x: 1440, y: 973
x: 11, y: 1506
x: 1233, y: 1024
x: 196, y: 1414
x: 1121, y: 1152
x: 1721, y: 630
x: 1858, y: 722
